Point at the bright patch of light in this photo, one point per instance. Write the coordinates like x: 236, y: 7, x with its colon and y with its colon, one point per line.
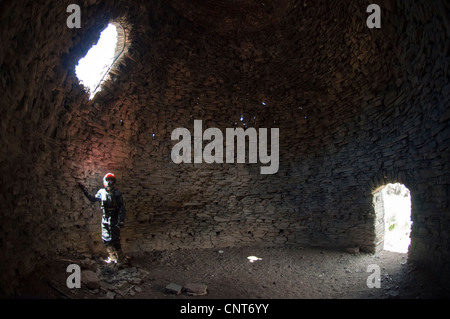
x: 252, y: 259
x: 109, y: 261
x: 92, y: 69
x: 397, y: 217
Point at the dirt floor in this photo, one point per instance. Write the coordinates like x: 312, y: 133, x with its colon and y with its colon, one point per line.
x: 228, y: 273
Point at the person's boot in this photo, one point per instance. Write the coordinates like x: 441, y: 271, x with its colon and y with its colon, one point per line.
x: 122, y: 261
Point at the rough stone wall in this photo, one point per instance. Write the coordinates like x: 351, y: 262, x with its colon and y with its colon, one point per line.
x: 357, y: 108
x: 424, y: 92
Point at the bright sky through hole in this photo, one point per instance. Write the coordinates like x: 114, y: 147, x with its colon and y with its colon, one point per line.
x: 92, y: 68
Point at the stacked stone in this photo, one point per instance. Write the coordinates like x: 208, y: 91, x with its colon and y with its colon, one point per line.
x: 357, y: 108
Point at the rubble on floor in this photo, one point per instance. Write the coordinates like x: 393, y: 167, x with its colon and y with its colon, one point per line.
x: 109, y: 280
x: 120, y: 283
x: 191, y: 289
x: 194, y: 289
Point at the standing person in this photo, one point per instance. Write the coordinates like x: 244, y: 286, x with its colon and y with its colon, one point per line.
x: 113, y: 218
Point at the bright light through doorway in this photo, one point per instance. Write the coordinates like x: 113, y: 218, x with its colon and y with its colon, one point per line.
x: 397, y: 218
x: 93, y: 68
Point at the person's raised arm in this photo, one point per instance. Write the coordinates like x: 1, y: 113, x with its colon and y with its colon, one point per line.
x: 86, y: 193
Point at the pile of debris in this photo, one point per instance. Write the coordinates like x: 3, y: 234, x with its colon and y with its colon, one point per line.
x: 104, y: 280
x: 101, y: 280
x: 120, y: 283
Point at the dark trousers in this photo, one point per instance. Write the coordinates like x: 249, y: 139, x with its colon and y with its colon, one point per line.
x: 111, y: 230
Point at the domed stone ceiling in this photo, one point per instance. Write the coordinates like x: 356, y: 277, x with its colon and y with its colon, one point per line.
x: 356, y: 108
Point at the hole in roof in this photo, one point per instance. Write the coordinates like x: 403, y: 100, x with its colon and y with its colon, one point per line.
x: 92, y: 70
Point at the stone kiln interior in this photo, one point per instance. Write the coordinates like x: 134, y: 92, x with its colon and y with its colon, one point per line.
x: 356, y: 108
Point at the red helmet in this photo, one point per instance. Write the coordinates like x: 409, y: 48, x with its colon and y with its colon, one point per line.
x: 109, y: 180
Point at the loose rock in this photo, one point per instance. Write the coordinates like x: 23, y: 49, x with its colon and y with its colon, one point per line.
x: 173, y: 288
x: 194, y: 289
x: 90, y: 279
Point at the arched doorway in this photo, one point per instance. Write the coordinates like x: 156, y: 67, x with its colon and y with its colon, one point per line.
x: 392, y: 205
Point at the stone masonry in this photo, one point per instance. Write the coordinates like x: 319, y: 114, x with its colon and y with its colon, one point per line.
x: 356, y: 108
